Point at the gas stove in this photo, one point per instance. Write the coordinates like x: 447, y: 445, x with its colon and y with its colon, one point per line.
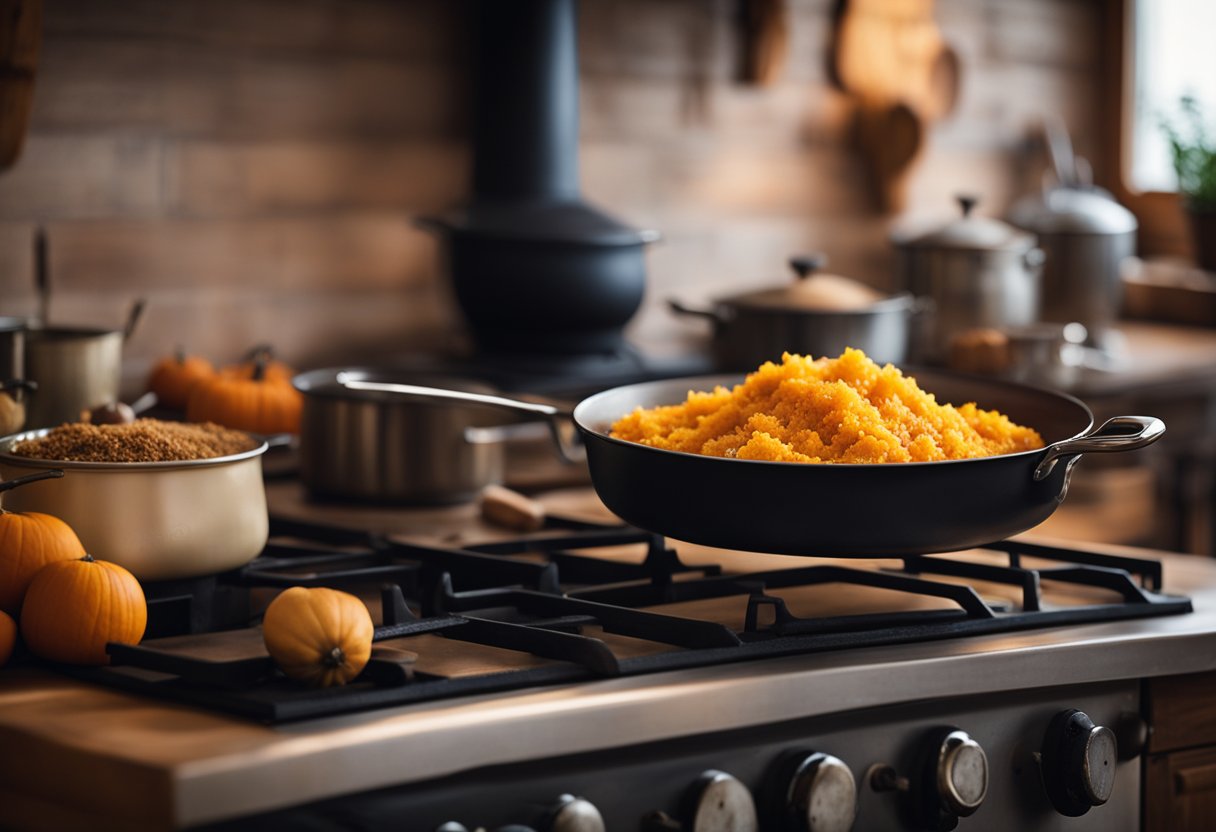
x: 595, y: 676
x: 592, y: 601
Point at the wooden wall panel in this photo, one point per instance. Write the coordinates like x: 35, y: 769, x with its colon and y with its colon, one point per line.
x: 249, y: 179
x: 252, y: 167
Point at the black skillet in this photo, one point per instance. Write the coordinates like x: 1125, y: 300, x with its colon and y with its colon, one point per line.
x: 849, y: 510
x: 832, y: 510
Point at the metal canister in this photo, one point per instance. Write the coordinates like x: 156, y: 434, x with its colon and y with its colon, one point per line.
x: 978, y: 271
x: 1086, y: 235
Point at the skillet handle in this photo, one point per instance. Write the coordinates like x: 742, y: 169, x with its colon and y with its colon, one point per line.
x: 1122, y: 433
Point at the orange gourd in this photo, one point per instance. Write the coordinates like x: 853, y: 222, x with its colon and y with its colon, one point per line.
x: 254, y: 404
x: 8, y: 637
x: 74, y: 607
x: 319, y: 636
x: 28, y: 542
x: 260, y: 362
x: 173, y: 378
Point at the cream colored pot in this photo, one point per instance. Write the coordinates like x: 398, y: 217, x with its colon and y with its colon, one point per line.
x: 160, y: 520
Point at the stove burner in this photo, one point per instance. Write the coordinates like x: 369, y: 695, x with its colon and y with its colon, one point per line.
x: 549, y: 596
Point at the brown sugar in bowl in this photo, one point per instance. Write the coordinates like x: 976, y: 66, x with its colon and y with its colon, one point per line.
x: 161, y: 520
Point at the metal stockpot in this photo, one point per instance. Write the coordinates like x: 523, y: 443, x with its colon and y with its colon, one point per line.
x: 160, y: 520
x: 75, y: 368
x: 388, y: 446
x: 755, y: 327
x: 1086, y: 236
x: 978, y: 272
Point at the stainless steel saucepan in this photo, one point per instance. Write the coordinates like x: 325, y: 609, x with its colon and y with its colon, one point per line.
x: 381, y: 436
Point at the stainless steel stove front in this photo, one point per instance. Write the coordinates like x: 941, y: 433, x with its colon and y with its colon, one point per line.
x: 907, y: 776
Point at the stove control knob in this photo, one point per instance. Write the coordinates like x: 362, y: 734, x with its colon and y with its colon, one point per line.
x: 718, y: 802
x: 1078, y: 763
x: 953, y: 779
x: 574, y: 814
x: 821, y: 795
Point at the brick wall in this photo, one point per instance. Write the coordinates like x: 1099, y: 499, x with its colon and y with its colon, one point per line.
x: 251, y: 167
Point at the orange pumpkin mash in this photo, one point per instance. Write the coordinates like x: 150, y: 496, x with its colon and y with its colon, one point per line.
x: 846, y: 409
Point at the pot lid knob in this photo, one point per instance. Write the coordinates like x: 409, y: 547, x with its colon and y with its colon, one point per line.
x: 806, y: 265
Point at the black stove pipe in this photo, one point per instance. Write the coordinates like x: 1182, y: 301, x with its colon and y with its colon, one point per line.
x: 526, y: 133
x: 535, y: 269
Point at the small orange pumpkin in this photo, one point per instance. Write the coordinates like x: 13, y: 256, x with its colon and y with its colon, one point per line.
x: 319, y: 636
x: 28, y: 542
x: 73, y: 608
x: 173, y: 378
x: 8, y: 637
x: 254, y: 404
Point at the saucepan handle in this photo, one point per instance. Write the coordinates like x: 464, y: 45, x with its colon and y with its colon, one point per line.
x: 1122, y: 433
x: 569, y: 449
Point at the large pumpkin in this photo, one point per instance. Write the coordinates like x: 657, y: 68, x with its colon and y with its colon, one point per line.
x: 173, y: 378
x: 73, y: 608
x: 28, y: 542
x: 260, y: 362
x: 255, y: 404
x: 8, y: 637
x: 319, y: 636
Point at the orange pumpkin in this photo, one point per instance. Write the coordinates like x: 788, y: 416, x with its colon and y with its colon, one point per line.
x: 319, y: 636
x: 8, y: 637
x: 254, y: 404
x: 173, y: 378
x: 260, y: 363
x: 28, y: 542
x: 75, y: 607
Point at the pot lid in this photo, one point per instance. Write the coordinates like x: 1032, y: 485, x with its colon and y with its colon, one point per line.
x: 974, y: 233
x: 538, y: 221
x: 1072, y: 211
x: 813, y: 290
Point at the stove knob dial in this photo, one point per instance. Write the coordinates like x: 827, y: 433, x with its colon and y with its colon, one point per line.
x: 574, y: 814
x: 1078, y: 760
x: 957, y: 777
x: 822, y: 795
x: 718, y: 802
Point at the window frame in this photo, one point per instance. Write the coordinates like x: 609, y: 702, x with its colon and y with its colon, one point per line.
x: 1162, y: 218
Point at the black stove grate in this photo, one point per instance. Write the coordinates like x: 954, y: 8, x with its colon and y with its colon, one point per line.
x: 547, y: 595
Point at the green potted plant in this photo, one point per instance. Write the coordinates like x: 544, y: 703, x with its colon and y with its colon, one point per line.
x: 1194, y: 156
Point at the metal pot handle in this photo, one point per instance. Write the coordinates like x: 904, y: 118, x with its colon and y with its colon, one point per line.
x: 569, y: 449
x: 1122, y: 433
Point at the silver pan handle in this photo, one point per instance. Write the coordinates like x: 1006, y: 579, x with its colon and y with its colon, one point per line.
x: 1122, y: 433
x: 569, y: 449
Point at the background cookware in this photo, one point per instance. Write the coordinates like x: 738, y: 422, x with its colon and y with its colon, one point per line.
x: 160, y: 520
x: 377, y: 435
x: 848, y: 510
x: 1086, y: 236
x: 77, y: 368
x: 979, y: 272
x: 817, y: 315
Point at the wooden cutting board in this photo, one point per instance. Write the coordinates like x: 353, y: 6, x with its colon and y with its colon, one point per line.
x: 20, y: 41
